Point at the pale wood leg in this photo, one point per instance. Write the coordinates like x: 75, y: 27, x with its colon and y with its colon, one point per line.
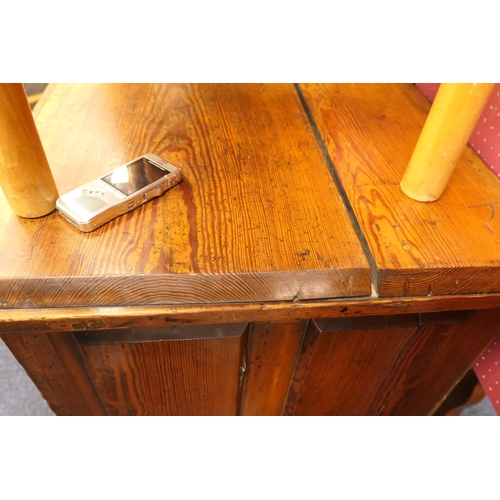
x: 25, y: 175
x: 451, y: 120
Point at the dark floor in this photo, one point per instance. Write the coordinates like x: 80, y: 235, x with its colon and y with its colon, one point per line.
x: 34, y: 88
x: 18, y: 394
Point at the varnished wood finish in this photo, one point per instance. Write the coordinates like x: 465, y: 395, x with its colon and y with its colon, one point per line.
x: 233, y: 245
x: 451, y: 121
x: 388, y: 371
x: 190, y: 377
x: 107, y: 318
x: 338, y: 373
x: 442, y: 363
x: 451, y: 246
x: 257, y: 217
x: 25, y: 176
x: 56, y: 364
x: 271, y: 356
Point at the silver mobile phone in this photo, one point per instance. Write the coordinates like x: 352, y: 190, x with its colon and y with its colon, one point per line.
x: 118, y: 192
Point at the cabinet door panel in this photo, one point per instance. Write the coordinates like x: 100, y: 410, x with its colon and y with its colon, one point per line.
x: 343, y: 373
x: 392, y: 370
x: 178, y: 377
x: 435, y: 364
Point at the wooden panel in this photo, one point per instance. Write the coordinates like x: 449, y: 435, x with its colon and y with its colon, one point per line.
x: 438, y: 364
x: 345, y: 373
x: 180, y: 377
x: 257, y: 217
x: 451, y: 246
x: 389, y: 371
x: 57, y: 366
x: 272, y: 354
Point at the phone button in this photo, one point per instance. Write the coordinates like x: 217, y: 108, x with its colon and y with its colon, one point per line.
x: 131, y: 205
x: 145, y: 197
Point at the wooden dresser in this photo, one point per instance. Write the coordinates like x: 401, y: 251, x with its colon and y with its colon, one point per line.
x: 286, y: 275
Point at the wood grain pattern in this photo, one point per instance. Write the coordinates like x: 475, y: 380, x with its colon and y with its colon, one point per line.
x: 390, y: 371
x: 56, y: 364
x: 451, y: 246
x: 440, y: 363
x: 179, y: 377
x: 257, y: 216
x: 345, y: 373
x: 107, y: 318
x: 271, y: 357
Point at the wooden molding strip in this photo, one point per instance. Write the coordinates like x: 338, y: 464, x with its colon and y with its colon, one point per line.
x: 108, y: 318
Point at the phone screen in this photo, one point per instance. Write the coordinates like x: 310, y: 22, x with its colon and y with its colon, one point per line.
x: 134, y: 176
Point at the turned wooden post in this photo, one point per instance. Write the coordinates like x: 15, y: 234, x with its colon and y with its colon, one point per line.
x: 25, y: 175
x: 451, y: 120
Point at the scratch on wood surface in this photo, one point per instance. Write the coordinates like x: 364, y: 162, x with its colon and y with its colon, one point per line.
x: 489, y: 228
x: 350, y: 283
x: 243, y: 367
x: 491, y: 206
x: 28, y: 303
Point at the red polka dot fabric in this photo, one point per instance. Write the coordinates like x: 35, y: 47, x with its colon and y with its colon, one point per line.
x: 485, y: 140
x: 487, y: 369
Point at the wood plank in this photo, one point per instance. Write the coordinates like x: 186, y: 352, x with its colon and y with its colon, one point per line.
x: 272, y: 354
x: 183, y: 377
x: 439, y: 362
x: 450, y: 246
x: 346, y: 373
x: 116, y: 318
x: 386, y: 371
x: 56, y: 364
x: 257, y: 217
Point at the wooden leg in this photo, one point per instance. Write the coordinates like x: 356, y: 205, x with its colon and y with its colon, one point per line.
x: 25, y: 175
x: 272, y: 354
x: 452, y: 118
x: 56, y: 364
